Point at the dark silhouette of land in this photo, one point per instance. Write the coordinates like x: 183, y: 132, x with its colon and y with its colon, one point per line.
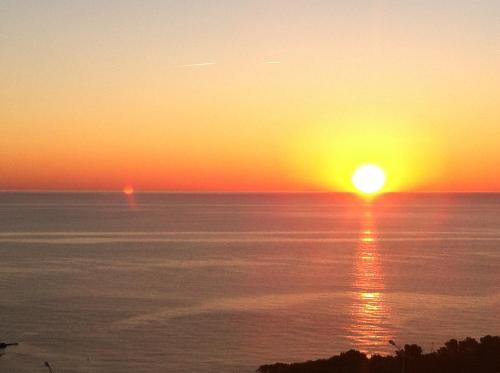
x: 4, y: 345
x: 466, y: 356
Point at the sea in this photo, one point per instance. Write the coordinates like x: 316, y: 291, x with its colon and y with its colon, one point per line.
x: 226, y: 282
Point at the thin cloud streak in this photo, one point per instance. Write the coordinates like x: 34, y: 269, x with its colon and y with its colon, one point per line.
x: 199, y: 64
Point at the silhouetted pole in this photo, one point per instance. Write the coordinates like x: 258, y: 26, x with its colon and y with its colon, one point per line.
x: 403, y: 354
x: 48, y: 366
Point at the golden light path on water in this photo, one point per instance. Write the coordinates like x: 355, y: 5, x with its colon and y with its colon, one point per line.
x: 370, y: 327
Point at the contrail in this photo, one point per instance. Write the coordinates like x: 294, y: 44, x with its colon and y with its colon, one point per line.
x: 199, y: 64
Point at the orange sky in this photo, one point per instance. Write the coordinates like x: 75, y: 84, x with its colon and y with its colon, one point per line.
x: 237, y: 96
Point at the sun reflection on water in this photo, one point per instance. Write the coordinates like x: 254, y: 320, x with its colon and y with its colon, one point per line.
x: 370, y: 327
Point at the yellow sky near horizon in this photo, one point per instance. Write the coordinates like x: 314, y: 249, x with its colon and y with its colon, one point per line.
x: 249, y: 95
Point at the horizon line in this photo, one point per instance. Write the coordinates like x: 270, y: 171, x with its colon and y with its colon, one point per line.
x: 117, y: 191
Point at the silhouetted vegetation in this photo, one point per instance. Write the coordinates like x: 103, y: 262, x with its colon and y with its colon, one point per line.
x: 466, y: 356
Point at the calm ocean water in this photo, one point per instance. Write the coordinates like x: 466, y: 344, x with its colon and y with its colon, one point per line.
x: 227, y: 282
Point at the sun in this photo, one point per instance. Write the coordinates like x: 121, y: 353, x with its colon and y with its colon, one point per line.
x: 368, y: 179
x: 128, y: 190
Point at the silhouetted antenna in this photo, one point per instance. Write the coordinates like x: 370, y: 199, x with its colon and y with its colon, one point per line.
x: 48, y: 366
x: 391, y: 342
x: 403, y: 355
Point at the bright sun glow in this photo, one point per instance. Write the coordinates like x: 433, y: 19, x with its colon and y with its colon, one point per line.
x: 368, y: 179
x: 128, y: 190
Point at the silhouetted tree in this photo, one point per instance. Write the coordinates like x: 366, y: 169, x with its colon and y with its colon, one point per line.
x: 466, y: 356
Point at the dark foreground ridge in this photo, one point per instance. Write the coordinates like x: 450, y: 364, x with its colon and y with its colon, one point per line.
x: 467, y: 356
x: 4, y: 345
